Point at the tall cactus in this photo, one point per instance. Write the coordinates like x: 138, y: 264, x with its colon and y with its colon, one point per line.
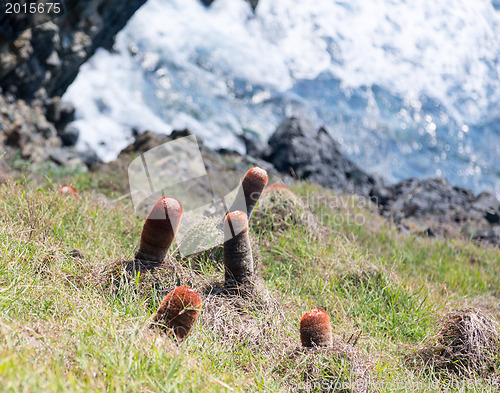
x: 315, y: 329
x: 159, y: 231
x: 238, y: 259
x: 249, y: 193
x: 178, y: 312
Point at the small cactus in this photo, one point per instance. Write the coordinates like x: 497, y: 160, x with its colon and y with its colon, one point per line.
x: 238, y: 259
x: 68, y: 190
x: 251, y: 187
x: 178, y: 312
x: 276, y: 187
x: 159, y: 230
x: 315, y: 329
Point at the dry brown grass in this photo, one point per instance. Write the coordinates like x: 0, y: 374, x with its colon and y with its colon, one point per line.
x: 468, y: 343
x: 340, y: 367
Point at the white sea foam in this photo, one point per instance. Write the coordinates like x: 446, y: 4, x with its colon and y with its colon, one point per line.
x: 223, y: 71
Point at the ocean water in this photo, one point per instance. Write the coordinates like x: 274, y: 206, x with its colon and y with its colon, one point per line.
x: 408, y: 88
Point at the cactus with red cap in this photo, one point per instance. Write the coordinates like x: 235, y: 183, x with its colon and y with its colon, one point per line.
x: 159, y: 231
x: 315, y: 329
x: 277, y: 187
x: 69, y: 190
x: 251, y: 187
x: 238, y: 259
x: 178, y: 312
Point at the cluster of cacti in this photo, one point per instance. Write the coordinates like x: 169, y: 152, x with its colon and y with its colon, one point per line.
x: 180, y: 309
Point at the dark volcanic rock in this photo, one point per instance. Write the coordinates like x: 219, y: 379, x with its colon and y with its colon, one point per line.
x: 434, y: 203
x: 297, y: 148
x: 491, y: 236
x: 38, y: 61
x: 25, y: 128
x: 431, y: 207
x: 59, y: 112
x: 45, y: 59
x: 422, y: 197
x: 69, y: 136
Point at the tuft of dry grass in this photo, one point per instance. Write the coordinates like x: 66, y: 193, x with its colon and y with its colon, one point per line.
x: 341, y: 367
x: 468, y: 343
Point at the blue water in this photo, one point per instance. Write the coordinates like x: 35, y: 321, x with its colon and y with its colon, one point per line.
x: 408, y: 88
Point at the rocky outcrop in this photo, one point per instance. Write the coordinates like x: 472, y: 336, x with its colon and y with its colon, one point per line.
x: 25, y: 130
x: 38, y: 61
x: 42, y: 60
x: 297, y: 149
x: 435, y: 207
x: 431, y: 207
x: 224, y: 168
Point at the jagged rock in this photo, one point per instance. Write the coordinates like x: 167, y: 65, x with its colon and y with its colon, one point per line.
x: 447, y: 210
x: 423, y: 197
x: 43, y: 59
x: 491, y: 236
x: 40, y: 60
x: 69, y: 136
x: 489, y: 206
x: 26, y: 129
x: 298, y: 149
x: 59, y: 112
x: 431, y: 207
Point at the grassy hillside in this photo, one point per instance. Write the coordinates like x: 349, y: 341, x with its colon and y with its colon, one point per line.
x: 71, y: 320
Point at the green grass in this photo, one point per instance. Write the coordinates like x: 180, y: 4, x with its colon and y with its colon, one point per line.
x: 61, y: 329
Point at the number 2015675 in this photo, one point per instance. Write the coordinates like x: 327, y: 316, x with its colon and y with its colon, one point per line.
x: 32, y: 8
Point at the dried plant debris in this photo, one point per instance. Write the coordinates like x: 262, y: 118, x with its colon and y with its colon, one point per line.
x: 144, y: 280
x: 340, y: 367
x: 255, y: 321
x: 468, y: 343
